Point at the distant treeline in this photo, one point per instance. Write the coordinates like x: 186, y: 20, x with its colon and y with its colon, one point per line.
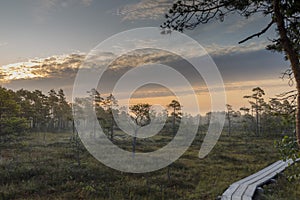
x: 24, y: 110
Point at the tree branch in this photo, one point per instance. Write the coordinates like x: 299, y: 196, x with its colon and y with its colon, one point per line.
x: 289, y: 75
x: 259, y: 33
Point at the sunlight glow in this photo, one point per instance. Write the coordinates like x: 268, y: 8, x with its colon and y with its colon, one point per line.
x: 39, y: 67
x: 24, y: 70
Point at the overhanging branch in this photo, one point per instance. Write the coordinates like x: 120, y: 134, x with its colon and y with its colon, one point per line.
x: 259, y: 33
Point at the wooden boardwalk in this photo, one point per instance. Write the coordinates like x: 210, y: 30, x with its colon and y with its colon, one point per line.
x: 244, y: 189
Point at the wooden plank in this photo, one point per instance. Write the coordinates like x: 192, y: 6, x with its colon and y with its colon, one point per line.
x: 250, y: 190
x: 229, y: 192
x: 260, y: 172
x: 252, y: 187
x: 257, y: 176
x: 245, y: 188
x: 276, y: 171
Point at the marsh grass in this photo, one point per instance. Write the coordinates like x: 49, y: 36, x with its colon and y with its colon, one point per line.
x: 43, y: 166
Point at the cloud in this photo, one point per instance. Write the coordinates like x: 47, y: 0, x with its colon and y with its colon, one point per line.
x: 50, y: 4
x: 58, y: 66
x: 239, y: 23
x: 145, y: 9
x: 45, y: 7
x: 143, y: 57
x: 55, y: 66
x: 241, y: 72
x: 153, y: 90
x: 62, y: 65
x: 87, y: 2
x: 191, y: 50
x: 221, y: 50
x: 236, y: 64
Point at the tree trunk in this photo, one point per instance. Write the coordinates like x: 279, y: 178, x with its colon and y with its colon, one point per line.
x: 134, y: 144
x: 229, y: 122
x: 75, y: 135
x: 257, y: 118
x: 173, y: 123
x: 112, y: 127
x: 229, y: 127
x: 257, y: 123
x: 292, y: 55
x: 298, y: 114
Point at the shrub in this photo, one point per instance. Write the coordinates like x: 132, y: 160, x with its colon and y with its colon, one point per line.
x: 289, y: 149
x: 13, y: 125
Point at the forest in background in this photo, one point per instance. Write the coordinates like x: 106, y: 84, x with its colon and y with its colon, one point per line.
x: 33, y: 111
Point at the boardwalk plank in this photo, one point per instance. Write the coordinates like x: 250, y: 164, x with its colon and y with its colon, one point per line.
x: 244, y: 189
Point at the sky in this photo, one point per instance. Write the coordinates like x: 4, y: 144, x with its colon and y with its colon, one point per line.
x: 44, y: 42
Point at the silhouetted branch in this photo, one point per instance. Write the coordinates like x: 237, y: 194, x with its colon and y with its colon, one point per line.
x: 288, y: 74
x: 259, y: 33
x: 290, y: 95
